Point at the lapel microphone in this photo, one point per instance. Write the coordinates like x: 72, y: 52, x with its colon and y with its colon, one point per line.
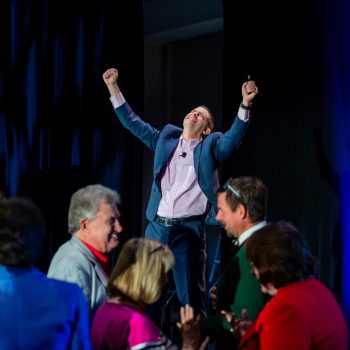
x: 183, y: 154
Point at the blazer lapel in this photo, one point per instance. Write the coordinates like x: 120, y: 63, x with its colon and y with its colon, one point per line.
x: 163, y: 156
x: 196, y: 155
x: 101, y: 273
x: 91, y: 257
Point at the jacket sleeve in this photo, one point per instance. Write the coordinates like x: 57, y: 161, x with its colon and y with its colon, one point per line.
x: 280, y: 323
x: 142, y: 130
x: 71, y: 272
x: 81, y: 331
x: 230, y: 140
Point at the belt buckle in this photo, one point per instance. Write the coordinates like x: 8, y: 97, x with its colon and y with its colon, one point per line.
x: 167, y: 222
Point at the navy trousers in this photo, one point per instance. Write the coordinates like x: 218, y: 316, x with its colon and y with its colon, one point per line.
x: 187, y: 242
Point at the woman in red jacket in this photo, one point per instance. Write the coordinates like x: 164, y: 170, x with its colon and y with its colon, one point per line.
x: 303, y: 314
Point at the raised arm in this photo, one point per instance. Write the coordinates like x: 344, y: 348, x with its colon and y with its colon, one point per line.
x: 132, y: 122
x: 233, y: 137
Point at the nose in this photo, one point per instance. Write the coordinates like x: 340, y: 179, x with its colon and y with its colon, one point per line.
x: 117, y: 226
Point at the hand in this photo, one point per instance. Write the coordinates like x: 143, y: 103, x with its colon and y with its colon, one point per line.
x: 239, y: 325
x: 213, y: 295
x: 249, y: 91
x: 110, y: 76
x: 189, y: 328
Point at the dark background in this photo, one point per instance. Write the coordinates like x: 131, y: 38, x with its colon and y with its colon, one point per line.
x: 58, y: 131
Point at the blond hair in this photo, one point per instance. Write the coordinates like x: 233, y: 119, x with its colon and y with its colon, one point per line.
x: 140, y: 272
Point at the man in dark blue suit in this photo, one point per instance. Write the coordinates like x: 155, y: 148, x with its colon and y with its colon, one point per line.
x: 183, y: 193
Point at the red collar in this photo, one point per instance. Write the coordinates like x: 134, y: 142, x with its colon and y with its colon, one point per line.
x: 103, y: 259
x: 100, y: 256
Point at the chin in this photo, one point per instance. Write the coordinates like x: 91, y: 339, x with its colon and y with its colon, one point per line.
x: 113, y: 246
x: 110, y: 248
x: 230, y: 234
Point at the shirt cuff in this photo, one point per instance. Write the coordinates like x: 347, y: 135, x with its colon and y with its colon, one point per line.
x: 117, y: 100
x: 243, y: 114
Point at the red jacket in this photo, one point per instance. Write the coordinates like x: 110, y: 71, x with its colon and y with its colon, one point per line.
x: 301, y: 316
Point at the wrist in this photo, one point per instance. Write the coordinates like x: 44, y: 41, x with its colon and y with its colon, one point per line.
x: 113, y: 88
x: 111, y: 84
x: 246, y: 105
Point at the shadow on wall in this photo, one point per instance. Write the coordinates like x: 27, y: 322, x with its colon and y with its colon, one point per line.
x: 332, y: 178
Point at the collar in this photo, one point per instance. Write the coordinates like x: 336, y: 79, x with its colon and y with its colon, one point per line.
x: 100, y: 256
x: 246, y: 234
x: 189, y: 145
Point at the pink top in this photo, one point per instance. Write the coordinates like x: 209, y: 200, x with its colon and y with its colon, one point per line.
x: 121, y: 327
x: 181, y: 194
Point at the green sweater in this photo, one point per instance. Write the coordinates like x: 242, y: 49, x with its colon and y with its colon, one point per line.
x: 237, y: 289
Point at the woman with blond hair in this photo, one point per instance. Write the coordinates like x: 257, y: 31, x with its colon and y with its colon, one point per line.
x: 137, y: 281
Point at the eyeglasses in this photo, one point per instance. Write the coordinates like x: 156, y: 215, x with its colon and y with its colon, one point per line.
x: 236, y: 193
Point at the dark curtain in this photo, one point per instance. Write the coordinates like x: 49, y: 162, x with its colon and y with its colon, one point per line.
x: 298, y: 52
x: 337, y: 123
x: 58, y: 131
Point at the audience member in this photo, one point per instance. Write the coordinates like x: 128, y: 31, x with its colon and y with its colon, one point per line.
x: 93, y: 222
x: 242, y: 208
x: 302, y: 314
x: 36, y: 312
x: 137, y: 281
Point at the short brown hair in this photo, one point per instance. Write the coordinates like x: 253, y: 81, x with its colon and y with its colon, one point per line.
x: 140, y: 271
x: 22, y: 230
x: 281, y: 254
x: 211, y: 117
x: 249, y: 191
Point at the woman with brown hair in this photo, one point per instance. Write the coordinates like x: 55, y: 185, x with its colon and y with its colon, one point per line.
x: 303, y: 314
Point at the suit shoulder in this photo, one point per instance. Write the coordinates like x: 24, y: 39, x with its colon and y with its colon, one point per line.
x: 71, y: 250
x: 69, y: 259
x: 213, y: 136
x: 216, y: 133
x: 171, y: 128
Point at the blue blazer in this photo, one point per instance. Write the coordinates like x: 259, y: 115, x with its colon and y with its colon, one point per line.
x: 37, y: 312
x: 208, y: 155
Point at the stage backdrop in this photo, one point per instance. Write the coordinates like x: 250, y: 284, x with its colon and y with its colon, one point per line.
x: 298, y: 139
x: 58, y: 131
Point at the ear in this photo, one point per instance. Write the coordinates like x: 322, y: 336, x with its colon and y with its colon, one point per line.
x: 83, y: 224
x: 206, y: 132
x: 242, y: 211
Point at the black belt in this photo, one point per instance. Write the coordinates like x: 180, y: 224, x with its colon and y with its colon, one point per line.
x: 177, y: 221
